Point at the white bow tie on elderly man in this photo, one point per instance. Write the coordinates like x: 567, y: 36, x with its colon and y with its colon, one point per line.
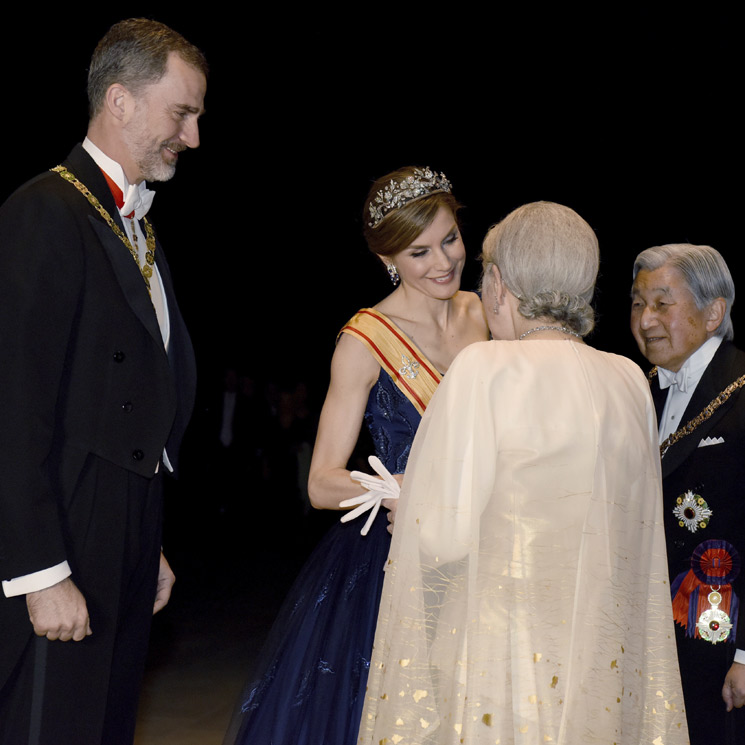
x: 681, y: 379
x: 138, y: 199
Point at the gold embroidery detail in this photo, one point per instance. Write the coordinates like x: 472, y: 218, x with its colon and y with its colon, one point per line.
x: 147, y: 269
x: 702, y: 416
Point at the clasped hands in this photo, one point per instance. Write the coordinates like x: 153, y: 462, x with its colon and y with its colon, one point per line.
x: 383, y: 486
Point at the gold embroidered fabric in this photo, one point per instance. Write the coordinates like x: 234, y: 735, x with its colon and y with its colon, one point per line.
x: 526, y: 597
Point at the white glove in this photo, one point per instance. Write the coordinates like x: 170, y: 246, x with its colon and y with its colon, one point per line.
x: 385, y: 487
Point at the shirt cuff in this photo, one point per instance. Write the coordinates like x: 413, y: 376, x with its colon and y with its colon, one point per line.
x: 36, y: 580
x: 740, y: 656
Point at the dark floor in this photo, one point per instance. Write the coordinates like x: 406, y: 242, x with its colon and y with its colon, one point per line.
x: 205, y: 641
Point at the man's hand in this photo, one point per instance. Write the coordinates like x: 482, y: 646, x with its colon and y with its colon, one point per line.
x: 166, y: 578
x: 59, y: 612
x: 733, y: 692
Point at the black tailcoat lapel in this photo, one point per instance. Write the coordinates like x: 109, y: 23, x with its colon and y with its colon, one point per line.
x: 727, y: 365
x: 180, y: 352
x: 84, y: 168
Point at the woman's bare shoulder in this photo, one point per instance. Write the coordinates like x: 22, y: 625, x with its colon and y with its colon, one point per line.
x: 353, y: 360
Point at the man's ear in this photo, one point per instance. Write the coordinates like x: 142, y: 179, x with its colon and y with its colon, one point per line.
x: 715, y: 314
x: 119, y: 102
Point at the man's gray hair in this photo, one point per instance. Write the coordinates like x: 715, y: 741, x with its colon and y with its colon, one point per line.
x: 135, y: 54
x: 704, y: 271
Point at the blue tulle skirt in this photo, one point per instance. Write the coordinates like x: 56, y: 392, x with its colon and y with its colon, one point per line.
x: 309, y: 684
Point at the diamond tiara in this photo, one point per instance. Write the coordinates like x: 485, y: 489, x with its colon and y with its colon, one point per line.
x: 423, y: 183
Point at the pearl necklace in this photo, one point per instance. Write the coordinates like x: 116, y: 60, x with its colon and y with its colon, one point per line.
x: 563, y: 329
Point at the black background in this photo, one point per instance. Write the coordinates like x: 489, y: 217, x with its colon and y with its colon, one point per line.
x: 630, y: 117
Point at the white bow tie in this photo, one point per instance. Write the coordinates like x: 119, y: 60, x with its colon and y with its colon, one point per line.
x: 138, y: 199
x: 680, y: 379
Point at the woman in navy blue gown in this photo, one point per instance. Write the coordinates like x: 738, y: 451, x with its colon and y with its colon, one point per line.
x: 309, y: 684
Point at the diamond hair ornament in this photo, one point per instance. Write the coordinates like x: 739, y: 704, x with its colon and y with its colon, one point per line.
x: 398, y: 193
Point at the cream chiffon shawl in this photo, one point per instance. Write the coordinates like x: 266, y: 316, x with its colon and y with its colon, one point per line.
x: 526, y: 597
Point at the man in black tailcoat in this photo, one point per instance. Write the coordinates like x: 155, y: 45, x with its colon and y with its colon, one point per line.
x: 97, y: 382
x: 680, y: 317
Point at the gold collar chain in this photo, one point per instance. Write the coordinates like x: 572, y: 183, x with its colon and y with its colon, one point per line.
x: 147, y: 269
x: 702, y: 416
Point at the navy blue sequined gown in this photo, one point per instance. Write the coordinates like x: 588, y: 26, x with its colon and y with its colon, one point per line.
x: 310, y: 681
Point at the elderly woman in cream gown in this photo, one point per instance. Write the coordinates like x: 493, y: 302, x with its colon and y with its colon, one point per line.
x: 526, y: 598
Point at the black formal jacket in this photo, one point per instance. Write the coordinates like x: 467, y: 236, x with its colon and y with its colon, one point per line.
x: 716, y: 472
x: 83, y: 369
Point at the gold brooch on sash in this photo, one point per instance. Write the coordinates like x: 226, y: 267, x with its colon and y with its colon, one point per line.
x: 410, y: 367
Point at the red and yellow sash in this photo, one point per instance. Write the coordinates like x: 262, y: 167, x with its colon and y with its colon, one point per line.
x: 414, y: 375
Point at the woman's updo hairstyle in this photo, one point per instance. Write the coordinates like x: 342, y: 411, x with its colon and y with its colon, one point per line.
x: 402, y: 204
x: 548, y: 258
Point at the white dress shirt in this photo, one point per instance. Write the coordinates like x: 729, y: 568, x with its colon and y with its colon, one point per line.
x: 682, y: 384
x: 137, y: 199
